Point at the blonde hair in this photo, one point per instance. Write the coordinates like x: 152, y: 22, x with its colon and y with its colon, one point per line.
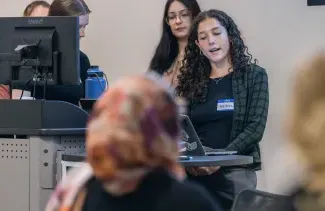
x: 30, y: 8
x: 307, y: 119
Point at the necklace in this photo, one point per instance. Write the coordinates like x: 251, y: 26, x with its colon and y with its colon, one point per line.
x: 217, y: 81
x: 174, y: 70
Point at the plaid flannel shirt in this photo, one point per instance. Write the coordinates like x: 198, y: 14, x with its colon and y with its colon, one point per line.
x: 251, y: 97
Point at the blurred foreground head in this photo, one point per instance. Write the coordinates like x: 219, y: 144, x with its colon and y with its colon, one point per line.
x: 307, y: 119
x: 133, y: 130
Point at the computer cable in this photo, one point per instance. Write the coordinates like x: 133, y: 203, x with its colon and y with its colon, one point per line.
x: 101, y: 86
x: 27, y: 84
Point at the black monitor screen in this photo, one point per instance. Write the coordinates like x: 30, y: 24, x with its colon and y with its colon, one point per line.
x: 39, y: 48
x: 315, y: 2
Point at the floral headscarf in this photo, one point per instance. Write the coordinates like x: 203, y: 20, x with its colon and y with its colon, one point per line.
x: 133, y: 130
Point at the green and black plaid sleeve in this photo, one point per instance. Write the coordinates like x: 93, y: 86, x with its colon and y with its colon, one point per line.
x: 257, y: 112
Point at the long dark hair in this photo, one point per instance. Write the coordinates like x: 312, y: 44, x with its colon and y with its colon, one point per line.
x: 167, y: 49
x: 30, y: 8
x: 68, y: 8
x: 196, y: 69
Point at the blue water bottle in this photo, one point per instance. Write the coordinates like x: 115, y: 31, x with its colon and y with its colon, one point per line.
x: 95, y: 84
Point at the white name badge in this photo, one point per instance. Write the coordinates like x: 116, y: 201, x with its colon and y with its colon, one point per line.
x: 225, y: 105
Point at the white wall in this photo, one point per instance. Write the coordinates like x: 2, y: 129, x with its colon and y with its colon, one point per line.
x: 122, y: 36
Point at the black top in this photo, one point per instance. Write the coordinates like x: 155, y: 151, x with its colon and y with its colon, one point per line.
x: 213, y: 119
x: 251, y: 97
x: 71, y: 94
x: 158, y: 192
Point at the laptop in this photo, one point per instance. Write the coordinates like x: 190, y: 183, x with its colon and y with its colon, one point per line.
x: 194, y: 145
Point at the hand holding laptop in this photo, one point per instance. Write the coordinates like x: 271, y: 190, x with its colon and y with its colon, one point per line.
x: 194, y: 145
x: 202, y: 171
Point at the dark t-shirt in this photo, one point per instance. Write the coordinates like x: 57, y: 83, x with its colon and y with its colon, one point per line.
x: 213, y: 119
x: 158, y: 192
x: 71, y: 94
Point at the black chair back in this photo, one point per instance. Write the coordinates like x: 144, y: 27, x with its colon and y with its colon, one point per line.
x: 255, y: 200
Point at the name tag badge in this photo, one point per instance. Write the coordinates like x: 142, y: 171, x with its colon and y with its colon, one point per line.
x: 225, y: 105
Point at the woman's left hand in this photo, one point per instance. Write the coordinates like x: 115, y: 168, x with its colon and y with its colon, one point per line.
x: 202, y: 171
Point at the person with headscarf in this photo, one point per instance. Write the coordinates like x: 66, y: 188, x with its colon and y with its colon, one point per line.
x: 132, y: 154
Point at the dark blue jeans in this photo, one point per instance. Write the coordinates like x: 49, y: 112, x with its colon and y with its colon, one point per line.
x: 226, y: 183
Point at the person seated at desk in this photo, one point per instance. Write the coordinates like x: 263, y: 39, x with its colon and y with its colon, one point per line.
x: 75, y: 8
x: 34, y: 9
x: 132, y: 152
x: 70, y: 94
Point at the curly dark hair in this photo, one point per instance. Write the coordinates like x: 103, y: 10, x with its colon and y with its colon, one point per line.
x: 196, y: 68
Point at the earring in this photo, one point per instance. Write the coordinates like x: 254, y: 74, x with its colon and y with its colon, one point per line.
x: 201, y: 53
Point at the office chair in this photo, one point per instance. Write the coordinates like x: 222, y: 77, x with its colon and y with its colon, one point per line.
x: 255, y: 200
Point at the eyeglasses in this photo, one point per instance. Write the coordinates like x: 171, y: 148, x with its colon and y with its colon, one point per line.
x: 184, y: 16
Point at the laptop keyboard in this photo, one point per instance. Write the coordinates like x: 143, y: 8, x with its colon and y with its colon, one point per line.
x: 209, y: 149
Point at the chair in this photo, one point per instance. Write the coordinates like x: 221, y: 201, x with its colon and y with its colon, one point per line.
x: 255, y: 200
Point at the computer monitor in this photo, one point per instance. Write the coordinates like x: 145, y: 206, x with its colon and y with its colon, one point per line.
x: 44, y: 50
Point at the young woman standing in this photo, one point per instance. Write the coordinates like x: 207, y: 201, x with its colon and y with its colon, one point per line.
x: 177, y: 22
x: 228, y: 100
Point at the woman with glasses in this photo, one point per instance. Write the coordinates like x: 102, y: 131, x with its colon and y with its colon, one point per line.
x: 177, y: 22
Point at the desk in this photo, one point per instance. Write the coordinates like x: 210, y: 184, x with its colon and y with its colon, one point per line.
x: 30, y: 137
x: 28, y: 166
x: 224, y: 160
x: 70, y: 160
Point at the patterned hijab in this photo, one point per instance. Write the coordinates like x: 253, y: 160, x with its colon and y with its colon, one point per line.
x: 133, y: 130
